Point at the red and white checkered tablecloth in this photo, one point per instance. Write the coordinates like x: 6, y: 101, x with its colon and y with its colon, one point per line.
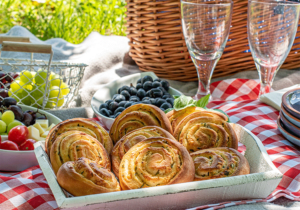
x: 238, y: 98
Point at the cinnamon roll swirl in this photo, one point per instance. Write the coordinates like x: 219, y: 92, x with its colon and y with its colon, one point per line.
x: 219, y: 162
x: 85, y: 177
x: 154, y: 162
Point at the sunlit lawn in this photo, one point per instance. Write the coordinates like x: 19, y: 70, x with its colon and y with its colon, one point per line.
x: 72, y: 20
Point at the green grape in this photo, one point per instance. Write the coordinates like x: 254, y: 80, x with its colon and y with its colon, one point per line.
x: 64, y: 89
x: 60, y: 101
x: 8, y: 117
x: 37, y: 91
x: 18, y: 95
x: 54, y: 92
x: 50, y: 105
x: 0, y: 115
x: 3, y: 134
x: 56, y: 80
x: 13, y: 124
x: 40, y: 76
x: 26, y: 76
x: 16, y: 85
x: 2, y: 126
x: 26, y: 97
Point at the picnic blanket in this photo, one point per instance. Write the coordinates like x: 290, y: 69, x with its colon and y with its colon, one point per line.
x: 108, y: 60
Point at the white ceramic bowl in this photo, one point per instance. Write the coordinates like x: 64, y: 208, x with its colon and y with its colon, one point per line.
x: 108, y: 90
x: 20, y: 160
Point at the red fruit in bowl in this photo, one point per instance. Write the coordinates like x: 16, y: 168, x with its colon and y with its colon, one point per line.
x: 27, y: 145
x: 9, y: 145
x: 18, y: 134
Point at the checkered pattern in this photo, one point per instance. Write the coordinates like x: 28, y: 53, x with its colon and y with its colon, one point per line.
x: 238, y: 98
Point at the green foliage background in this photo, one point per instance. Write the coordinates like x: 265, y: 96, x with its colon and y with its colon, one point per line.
x: 72, y: 20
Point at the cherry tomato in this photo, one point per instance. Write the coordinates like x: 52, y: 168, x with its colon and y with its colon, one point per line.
x: 18, y: 134
x: 9, y: 145
x: 27, y: 145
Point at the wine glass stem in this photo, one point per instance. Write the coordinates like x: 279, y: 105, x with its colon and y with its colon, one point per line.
x: 266, y: 76
x: 205, y: 69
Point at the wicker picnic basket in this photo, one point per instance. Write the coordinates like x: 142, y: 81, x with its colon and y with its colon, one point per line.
x: 157, y: 42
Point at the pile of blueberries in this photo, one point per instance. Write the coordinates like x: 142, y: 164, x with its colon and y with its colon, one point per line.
x: 147, y: 91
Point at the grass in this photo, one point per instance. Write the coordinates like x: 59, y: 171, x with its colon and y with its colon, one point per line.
x: 72, y: 20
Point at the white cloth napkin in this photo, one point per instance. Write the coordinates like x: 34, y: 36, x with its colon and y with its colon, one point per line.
x: 274, y: 99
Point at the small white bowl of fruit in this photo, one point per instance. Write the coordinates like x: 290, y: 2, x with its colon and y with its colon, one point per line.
x: 21, y: 126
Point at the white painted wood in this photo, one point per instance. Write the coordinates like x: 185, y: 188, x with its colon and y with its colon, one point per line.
x: 262, y: 180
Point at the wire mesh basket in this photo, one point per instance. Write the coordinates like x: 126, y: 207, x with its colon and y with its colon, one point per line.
x: 38, y: 83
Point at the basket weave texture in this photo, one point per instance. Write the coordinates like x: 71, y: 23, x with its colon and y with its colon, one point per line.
x: 157, y: 43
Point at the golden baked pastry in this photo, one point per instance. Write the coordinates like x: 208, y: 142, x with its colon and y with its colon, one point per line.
x: 205, y: 132
x: 176, y: 116
x: 131, y: 139
x: 154, y: 162
x: 79, y: 124
x: 193, y: 112
x: 138, y: 116
x: 219, y: 162
x: 72, y: 145
x: 85, y: 177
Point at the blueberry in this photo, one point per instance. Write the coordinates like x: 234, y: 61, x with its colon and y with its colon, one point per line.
x: 165, y: 84
x: 104, y: 105
x: 152, y: 100
x: 120, y: 109
x: 113, y: 106
x: 148, y: 93
x: 141, y: 93
x: 122, y: 103
x: 139, y: 86
x: 133, y: 91
x: 147, y: 85
x: 110, y: 112
x: 170, y: 101
x: 108, y: 102
x: 159, y: 102
x: 166, y: 105
x: 126, y: 94
x: 128, y: 104
x: 157, y: 80
x: 111, y: 116
x: 145, y: 98
x: 163, y: 90
x: 156, y: 84
x: 115, y: 96
x: 167, y: 96
x: 104, y: 112
x: 134, y: 99
x: 120, y: 98
x: 156, y: 93
x: 146, y: 78
x: 139, y: 81
x: 117, y: 114
x: 125, y: 87
x: 146, y: 102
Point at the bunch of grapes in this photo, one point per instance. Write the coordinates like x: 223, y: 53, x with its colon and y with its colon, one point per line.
x: 6, y: 79
x: 147, y: 91
x: 29, y: 88
x: 12, y: 115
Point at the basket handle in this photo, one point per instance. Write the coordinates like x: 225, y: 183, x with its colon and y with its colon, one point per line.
x: 14, y: 39
x: 26, y: 47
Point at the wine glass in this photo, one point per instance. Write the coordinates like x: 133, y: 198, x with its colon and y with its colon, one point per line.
x: 206, y: 25
x: 272, y: 26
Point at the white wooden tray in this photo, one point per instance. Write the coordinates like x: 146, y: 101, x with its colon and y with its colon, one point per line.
x: 262, y: 180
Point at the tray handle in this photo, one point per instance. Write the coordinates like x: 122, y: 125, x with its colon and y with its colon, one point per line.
x: 14, y: 39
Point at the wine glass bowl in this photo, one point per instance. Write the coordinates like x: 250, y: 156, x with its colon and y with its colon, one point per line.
x: 272, y: 26
x: 206, y: 25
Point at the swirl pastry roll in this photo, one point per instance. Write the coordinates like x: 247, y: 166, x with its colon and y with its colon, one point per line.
x: 137, y: 116
x: 131, y: 139
x: 72, y: 145
x: 85, y: 177
x: 219, y: 162
x: 154, y: 162
x: 79, y: 124
x: 205, y: 132
x: 176, y: 116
